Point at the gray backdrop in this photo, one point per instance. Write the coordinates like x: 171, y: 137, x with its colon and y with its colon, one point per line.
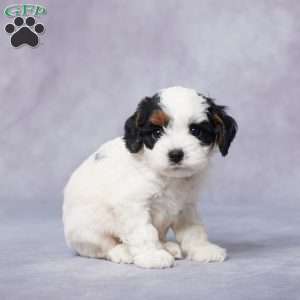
x: 96, y: 60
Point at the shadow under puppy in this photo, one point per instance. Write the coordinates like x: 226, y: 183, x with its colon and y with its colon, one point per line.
x: 120, y: 203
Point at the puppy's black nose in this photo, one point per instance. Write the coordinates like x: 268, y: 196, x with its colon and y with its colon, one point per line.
x: 176, y: 155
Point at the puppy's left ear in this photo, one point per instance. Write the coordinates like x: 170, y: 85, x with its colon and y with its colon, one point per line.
x: 225, y: 126
x: 132, y: 136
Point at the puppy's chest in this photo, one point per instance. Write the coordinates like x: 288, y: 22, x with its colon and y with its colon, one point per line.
x: 168, y: 203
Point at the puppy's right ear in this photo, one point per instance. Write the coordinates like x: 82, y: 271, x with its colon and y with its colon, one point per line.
x: 132, y: 137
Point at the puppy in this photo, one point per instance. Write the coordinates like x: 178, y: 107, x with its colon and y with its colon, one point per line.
x: 120, y: 203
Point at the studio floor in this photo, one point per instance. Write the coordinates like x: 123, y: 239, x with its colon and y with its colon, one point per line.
x: 264, y: 262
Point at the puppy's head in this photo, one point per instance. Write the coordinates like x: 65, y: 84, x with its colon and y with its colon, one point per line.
x: 176, y: 130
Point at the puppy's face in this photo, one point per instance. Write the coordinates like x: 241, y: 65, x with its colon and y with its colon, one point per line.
x: 176, y: 130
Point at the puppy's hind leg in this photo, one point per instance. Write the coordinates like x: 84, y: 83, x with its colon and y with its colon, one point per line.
x: 97, y: 247
x: 104, y: 246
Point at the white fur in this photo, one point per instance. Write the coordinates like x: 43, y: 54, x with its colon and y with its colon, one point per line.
x: 119, y: 205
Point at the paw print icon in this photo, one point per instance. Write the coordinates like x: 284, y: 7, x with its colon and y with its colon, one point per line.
x: 24, y: 32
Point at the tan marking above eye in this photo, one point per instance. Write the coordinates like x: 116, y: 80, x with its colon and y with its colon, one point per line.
x: 159, y: 118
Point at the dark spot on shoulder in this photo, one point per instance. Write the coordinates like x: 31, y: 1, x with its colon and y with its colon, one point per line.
x: 99, y: 156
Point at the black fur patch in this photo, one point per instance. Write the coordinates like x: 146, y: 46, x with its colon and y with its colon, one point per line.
x: 139, y: 130
x: 225, y: 126
x: 204, y: 131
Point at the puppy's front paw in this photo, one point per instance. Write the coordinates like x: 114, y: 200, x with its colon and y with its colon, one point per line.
x: 206, y: 252
x: 158, y: 259
x: 120, y: 254
x: 173, y: 248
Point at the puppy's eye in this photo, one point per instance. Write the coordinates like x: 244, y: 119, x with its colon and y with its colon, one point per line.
x: 203, y: 131
x: 156, y: 133
x: 195, y: 130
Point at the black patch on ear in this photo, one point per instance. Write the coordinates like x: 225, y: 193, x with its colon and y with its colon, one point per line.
x: 132, y: 137
x: 146, y: 108
x: 138, y: 130
x: 224, y: 125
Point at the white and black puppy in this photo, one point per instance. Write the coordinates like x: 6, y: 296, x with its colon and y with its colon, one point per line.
x: 120, y: 203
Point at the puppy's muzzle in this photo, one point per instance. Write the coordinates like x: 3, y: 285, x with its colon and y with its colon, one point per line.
x: 176, y: 156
